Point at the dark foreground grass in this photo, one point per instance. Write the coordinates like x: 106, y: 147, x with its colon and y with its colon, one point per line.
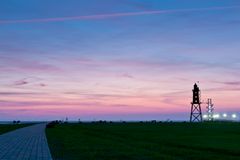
x: 9, y: 127
x: 145, y: 141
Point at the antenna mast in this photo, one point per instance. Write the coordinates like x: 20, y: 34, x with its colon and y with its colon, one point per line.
x: 210, y: 110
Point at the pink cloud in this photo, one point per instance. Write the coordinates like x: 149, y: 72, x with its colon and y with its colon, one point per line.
x: 18, y: 93
x: 127, y: 75
x: 99, y: 108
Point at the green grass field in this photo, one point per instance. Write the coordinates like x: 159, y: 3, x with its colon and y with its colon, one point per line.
x: 9, y: 127
x: 145, y: 141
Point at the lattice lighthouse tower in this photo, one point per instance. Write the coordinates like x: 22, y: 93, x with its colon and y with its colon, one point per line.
x: 196, y: 112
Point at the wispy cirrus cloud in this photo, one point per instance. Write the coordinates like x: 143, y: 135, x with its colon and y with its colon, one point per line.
x: 101, y: 95
x: 20, y: 82
x: 60, y: 104
x: 127, y: 75
x: 231, y: 83
x: 19, y: 93
x: 42, y: 85
x: 21, y: 64
x: 223, y: 89
x: 114, y: 15
x: 234, y: 83
x: 30, y: 80
x: 137, y: 63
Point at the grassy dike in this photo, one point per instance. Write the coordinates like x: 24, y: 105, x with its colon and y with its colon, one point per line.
x: 9, y: 127
x: 145, y: 141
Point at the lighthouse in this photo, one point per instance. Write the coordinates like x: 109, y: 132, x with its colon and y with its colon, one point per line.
x: 196, y: 112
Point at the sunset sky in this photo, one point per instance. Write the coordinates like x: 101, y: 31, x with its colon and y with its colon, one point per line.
x: 117, y: 59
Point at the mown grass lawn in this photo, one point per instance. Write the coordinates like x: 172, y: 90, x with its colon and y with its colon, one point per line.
x: 145, y: 141
x: 9, y: 127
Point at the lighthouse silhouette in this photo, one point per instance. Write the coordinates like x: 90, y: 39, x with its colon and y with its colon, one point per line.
x: 196, y: 111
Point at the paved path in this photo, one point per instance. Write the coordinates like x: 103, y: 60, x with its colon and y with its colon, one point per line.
x: 28, y: 143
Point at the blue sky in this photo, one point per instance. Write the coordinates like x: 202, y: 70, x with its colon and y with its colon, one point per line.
x: 129, y: 57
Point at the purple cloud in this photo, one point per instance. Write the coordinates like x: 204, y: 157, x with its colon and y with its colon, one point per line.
x: 223, y: 89
x: 127, y: 75
x: 20, y: 64
x: 29, y: 80
x: 42, y: 85
x: 20, y: 83
x: 232, y: 83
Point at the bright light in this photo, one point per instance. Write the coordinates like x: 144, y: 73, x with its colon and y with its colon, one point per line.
x: 216, y: 116
x: 205, y: 116
x: 234, y: 116
x: 224, y: 115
